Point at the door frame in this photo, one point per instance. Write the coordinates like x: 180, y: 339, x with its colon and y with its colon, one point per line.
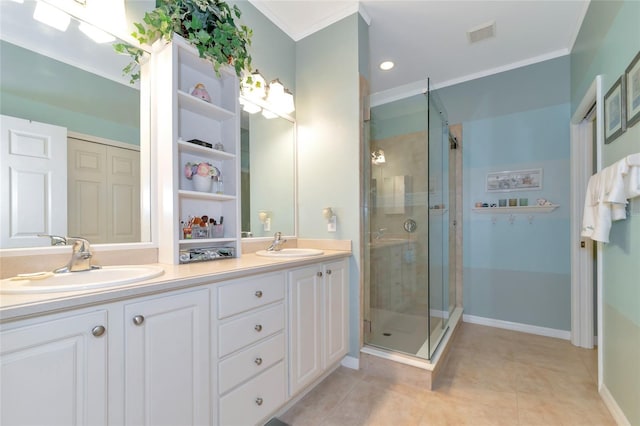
x: 581, y: 259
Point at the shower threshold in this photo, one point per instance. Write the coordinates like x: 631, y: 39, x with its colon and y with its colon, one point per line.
x: 394, y: 365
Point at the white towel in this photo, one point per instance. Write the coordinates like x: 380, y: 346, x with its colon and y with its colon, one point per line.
x: 632, y: 178
x: 596, y: 219
x: 614, y: 188
x: 607, y: 195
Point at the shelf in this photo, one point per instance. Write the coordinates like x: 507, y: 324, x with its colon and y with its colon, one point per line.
x: 206, y: 109
x: 519, y: 209
x: 196, y: 195
x: 201, y: 150
x: 194, y: 241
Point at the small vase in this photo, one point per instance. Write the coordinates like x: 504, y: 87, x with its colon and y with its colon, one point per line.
x: 202, y: 183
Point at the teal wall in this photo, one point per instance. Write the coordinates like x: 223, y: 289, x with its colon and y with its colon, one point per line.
x: 327, y: 85
x: 608, y: 40
x: 516, y: 120
x: 36, y: 87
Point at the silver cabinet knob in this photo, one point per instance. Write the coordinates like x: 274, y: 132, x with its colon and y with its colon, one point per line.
x: 319, y: 274
x: 258, y: 361
x: 98, y: 330
x: 138, y: 320
x: 259, y: 401
x: 258, y: 328
x: 258, y: 293
x: 328, y: 271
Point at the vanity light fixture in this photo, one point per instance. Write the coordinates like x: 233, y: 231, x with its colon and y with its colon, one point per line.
x: 95, y: 33
x: 386, y: 65
x: 256, y: 96
x: 52, y: 16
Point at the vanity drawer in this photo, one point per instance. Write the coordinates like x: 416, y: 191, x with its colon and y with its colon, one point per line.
x: 250, y: 328
x: 255, y: 400
x: 249, y: 362
x: 249, y: 293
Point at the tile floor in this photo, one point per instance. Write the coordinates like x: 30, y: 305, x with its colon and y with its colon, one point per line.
x: 493, y: 377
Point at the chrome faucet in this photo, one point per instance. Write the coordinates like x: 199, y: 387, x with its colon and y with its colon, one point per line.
x: 80, y: 255
x: 277, y: 242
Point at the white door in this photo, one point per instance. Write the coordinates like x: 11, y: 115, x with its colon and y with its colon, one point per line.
x: 336, y: 298
x: 167, y: 360
x: 55, y: 373
x: 33, y: 182
x: 123, y: 195
x: 305, y: 332
x: 104, y: 192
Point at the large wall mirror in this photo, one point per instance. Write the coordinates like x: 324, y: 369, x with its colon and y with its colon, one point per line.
x: 54, y: 79
x: 66, y: 80
x: 268, y: 175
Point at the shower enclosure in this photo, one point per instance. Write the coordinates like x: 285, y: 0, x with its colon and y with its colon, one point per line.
x: 409, y: 212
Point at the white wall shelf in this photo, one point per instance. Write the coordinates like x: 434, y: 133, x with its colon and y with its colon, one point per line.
x: 518, y: 209
x: 202, y: 150
x: 195, y: 241
x: 204, y: 108
x: 197, y: 195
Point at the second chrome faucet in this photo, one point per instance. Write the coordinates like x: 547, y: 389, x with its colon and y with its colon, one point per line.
x: 276, y: 244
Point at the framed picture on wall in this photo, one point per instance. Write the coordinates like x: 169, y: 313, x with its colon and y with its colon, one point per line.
x: 632, y: 82
x: 518, y: 180
x: 614, y: 111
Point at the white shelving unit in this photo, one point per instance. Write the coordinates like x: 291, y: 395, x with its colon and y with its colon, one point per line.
x: 178, y: 117
x: 518, y: 209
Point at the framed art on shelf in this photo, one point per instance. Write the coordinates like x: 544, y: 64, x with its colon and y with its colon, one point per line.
x: 632, y: 82
x: 614, y: 111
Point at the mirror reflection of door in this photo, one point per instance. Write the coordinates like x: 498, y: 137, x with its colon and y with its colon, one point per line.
x: 103, y: 191
x: 33, y: 167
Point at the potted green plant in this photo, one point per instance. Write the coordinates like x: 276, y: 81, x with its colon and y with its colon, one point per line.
x: 209, y: 25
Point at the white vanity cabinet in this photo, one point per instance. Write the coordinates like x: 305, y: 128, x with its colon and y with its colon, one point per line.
x: 251, y: 346
x: 180, y: 117
x: 53, y: 370
x: 318, y: 321
x: 167, y: 359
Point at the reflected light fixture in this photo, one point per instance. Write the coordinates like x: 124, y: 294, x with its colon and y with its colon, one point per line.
x: 272, y: 100
x: 51, y: 16
x: 386, y: 65
x: 95, y: 34
x: 377, y: 157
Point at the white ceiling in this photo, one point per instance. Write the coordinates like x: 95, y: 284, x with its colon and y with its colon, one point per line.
x: 428, y: 38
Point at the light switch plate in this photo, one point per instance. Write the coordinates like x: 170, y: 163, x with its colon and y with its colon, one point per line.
x: 331, y: 225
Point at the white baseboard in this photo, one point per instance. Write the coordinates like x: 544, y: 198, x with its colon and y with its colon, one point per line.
x: 351, y: 362
x: 525, y: 328
x: 613, y: 407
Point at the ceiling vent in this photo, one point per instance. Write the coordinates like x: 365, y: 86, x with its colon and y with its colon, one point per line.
x: 482, y: 32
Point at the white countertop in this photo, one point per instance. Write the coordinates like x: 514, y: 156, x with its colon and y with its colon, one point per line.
x: 19, y: 306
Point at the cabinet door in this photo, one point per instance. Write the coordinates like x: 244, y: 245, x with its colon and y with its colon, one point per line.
x: 55, y: 372
x: 305, y: 291
x: 167, y: 360
x: 336, y: 298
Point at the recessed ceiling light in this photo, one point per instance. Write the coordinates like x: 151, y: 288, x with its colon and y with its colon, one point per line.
x: 386, y: 65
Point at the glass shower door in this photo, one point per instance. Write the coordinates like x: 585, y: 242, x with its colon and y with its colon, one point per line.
x: 407, y: 211
x: 396, y: 216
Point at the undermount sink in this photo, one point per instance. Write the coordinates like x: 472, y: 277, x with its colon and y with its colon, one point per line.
x: 290, y: 252
x: 107, y: 276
